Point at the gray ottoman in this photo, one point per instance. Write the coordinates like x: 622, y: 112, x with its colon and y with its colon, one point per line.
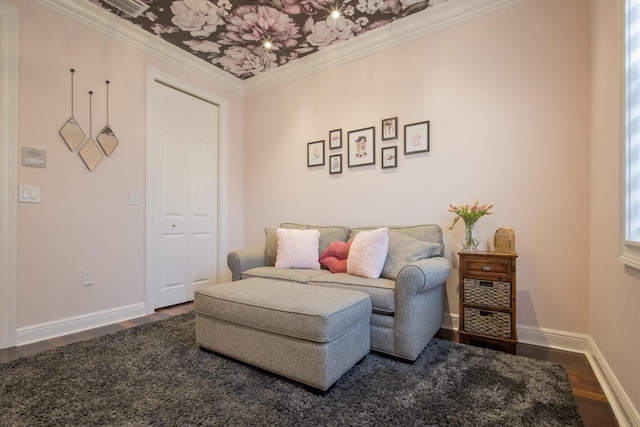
x: 306, y: 333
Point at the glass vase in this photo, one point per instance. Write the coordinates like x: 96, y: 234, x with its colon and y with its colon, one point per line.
x: 470, y: 241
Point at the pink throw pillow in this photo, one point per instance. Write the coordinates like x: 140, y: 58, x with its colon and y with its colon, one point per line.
x: 335, y: 256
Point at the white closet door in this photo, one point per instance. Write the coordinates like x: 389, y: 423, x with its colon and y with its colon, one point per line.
x: 185, y: 195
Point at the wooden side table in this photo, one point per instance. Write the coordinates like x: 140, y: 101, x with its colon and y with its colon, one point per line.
x: 488, y: 299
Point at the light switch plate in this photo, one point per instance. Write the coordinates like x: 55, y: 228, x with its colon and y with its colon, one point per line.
x: 133, y: 198
x: 28, y: 194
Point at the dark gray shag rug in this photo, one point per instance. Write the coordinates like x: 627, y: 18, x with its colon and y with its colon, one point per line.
x: 156, y: 375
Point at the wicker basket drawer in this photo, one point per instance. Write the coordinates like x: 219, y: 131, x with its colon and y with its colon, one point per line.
x: 487, y: 322
x: 488, y: 293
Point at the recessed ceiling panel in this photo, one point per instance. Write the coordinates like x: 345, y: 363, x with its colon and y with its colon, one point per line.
x: 251, y: 37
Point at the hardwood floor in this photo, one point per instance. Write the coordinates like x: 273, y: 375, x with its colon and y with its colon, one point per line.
x: 12, y: 353
x: 592, y: 402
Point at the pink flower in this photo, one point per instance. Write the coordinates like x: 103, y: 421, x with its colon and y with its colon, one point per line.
x: 203, y: 46
x: 469, y: 213
x: 199, y: 17
x: 326, y: 32
x: 242, y: 61
x: 309, y: 7
x: 252, y: 25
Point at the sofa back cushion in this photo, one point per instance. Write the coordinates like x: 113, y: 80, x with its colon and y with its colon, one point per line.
x: 428, y: 233
x: 328, y: 235
x: 405, y: 250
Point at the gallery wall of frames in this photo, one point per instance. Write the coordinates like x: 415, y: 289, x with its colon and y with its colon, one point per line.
x: 361, y: 145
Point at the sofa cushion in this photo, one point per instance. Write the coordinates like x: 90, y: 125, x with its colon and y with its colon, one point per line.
x: 427, y: 233
x: 297, y: 248
x: 299, y: 275
x: 328, y: 234
x: 368, y: 253
x: 270, y: 246
x: 335, y: 256
x: 404, y: 250
x: 382, y: 291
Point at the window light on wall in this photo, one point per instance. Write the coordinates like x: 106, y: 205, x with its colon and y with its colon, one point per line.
x: 631, y: 248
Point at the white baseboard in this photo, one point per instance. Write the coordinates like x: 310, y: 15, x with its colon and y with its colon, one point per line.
x: 621, y: 405
x: 71, y: 325
x: 549, y: 338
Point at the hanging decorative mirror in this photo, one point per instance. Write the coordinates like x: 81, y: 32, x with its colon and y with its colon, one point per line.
x: 90, y: 153
x: 107, y: 138
x: 71, y: 132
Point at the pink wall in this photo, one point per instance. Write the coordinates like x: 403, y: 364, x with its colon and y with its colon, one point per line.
x: 84, y: 220
x: 614, y: 288
x: 509, y: 97
x: 509, y: 111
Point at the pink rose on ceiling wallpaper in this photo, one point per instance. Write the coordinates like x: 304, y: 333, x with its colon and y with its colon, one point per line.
x: 246, y: 38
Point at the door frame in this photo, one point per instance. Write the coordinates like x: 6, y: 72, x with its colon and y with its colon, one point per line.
x: 9, y: 175
x: 156, y: 76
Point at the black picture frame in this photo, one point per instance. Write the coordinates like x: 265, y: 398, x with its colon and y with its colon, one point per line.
x: 361, y: 148
x: 335, y: 164
x: 416, y: 137
x: 335, y: 139
x: 389, y: 128
x: 389, y: 157
x: 315, y: 153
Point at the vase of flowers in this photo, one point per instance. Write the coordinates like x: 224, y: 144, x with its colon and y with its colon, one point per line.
x: 470, y: 214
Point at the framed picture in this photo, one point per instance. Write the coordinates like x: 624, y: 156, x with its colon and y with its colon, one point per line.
x: 362, y: 147
x: 390, y: 128
x: 335, y: 139
x: 315, y: 153
x: 335, y: 163
x: 389, y: 157
x: 416, y: 138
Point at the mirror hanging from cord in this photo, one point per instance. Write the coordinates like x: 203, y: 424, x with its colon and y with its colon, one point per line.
x: 90, y: 153
x: 107, y: 139
x: 71, y: 132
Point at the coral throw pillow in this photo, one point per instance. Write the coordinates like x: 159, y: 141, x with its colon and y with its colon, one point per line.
x: 297, y: 248
x: 335, y: 256
x: 368, y: 253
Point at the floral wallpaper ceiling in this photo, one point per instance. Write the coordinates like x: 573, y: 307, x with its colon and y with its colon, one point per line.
x: 231, y: 34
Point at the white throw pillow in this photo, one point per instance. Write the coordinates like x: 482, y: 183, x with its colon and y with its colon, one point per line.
x: 297, y: 248
x: 368, y: 253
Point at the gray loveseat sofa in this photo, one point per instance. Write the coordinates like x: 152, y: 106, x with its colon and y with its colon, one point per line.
x: 406, y: 305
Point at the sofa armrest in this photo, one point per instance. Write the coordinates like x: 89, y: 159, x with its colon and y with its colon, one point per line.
x: 243, y: 259
x: 419, y: 299
x: 422, y: 275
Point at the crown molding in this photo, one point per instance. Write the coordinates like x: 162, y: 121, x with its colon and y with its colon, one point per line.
x: 93, y: 16
x: 435, y: 19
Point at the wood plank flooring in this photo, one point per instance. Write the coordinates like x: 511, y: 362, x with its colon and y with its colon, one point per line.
x: 592, y: 402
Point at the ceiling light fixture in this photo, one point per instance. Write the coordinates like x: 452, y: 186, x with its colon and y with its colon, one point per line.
x: 335, y: 14
x: 267, y: 44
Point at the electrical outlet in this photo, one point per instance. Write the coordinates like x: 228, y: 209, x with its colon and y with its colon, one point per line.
x: 87, y: 277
